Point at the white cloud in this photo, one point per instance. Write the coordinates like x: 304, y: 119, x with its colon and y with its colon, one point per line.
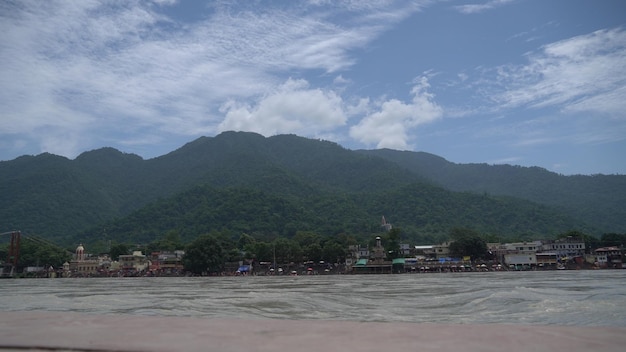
x: 105, y: 68
x: 478, y: 8
x: 293, y: 108
x: 584, y: 73
x: 390, y: 126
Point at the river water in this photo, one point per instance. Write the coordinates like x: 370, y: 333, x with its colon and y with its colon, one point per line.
x: 581, y: 298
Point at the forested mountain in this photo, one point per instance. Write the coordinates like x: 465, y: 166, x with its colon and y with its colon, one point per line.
x: 425, y: 213
x: 598, y: 200
x: 244, y: 182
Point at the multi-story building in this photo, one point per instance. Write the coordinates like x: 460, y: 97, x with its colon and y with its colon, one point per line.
x: 523, y: 247
x: 167, y: 262
x: 609, y: 257
x: 133, y: 262
x: 405, y: 249
x: 568, y: 247
x: 442, y: 250
x: 424, y: 252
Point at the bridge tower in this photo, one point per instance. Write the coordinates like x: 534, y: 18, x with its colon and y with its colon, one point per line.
x: 14, y: 250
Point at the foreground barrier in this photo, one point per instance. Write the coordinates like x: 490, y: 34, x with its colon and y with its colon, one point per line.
x: 61, y: 331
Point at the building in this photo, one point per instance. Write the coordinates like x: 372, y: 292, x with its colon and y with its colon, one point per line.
x: 82, y: 264
x: 568, y: 247
x: 609, y: 257
x: 424, y: 252
x: 386, y: 227
x: 167, y: 263
x: 358, y: 251
x: 355, y: 253
x: 135, y: 262
x: 442, y: 251
x: 523, y: 247
x: 520, y: 260
x: 376, y: 264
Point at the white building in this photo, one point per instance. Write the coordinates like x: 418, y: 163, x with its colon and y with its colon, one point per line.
x: 566, y: 247
x: 523, y: 247
x: 529, y: 259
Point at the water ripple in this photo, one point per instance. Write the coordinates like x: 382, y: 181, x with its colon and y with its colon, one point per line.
x: 564, y: 298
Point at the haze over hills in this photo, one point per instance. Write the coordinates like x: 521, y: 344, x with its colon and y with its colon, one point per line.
x: 275, y: 186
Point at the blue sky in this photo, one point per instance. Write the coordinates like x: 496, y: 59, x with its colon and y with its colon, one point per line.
x: 522, y: 82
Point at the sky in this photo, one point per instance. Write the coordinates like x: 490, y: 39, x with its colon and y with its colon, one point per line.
x: 521, y: 82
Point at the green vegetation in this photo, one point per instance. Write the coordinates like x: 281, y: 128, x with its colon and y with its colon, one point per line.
x: 596, y: 200
x: 37, y: 252
x: 466, y: 242
x: 206, y: 254
x: 284, y: 186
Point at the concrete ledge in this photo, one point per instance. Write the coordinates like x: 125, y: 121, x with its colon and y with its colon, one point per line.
x: 60, y: 331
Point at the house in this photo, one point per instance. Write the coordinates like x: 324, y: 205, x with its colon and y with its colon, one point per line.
x: 442, y: 250
x: 167, y: 262
x: 135, y: 262
x: 608, y: 257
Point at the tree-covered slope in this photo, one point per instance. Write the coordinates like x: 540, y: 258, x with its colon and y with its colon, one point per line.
x: 52, y: 196
x: 424, y: 213
x: 328, y: 187
x: 597, y: 199
x: 49, y: 192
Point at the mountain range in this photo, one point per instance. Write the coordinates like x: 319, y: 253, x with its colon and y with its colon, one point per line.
x: 243, y: 182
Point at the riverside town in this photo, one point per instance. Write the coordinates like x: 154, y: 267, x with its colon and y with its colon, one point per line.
x: 385, y: 254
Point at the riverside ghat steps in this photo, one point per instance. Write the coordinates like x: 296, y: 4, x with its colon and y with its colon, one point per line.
x: 63, y: 331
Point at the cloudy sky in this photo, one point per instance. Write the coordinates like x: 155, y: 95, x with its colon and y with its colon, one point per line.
x: 523, y: 82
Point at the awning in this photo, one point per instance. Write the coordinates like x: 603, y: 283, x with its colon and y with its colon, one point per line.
x: 361, y: 262
x: 398, y: 261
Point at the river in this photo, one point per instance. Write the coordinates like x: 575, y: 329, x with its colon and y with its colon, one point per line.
x: 574, y: 298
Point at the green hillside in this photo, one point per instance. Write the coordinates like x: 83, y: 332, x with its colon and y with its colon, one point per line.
x: 244, y: 182
x: 424, y: 213
x: 596, y: 199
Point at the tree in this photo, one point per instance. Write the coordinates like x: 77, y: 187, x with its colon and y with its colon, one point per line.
x: 287, y: 250
x: 169, y: 242
x: 41, y: 254
x: 333, y: 252
x: 305, y: 238
x: 466, y: 242
x: 245, y: 240
x: 261, y: 251
x: 117, y: 250
x: 391, y: 242
x: 613, y: 240
x: 313, y: 252
x: 205, y: 254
